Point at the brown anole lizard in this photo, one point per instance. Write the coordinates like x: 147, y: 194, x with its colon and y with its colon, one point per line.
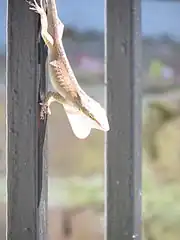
x: 83, y: 112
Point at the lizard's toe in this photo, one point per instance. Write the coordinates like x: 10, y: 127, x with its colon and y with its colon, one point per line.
x: 45, y: 110
x: 35, y: 7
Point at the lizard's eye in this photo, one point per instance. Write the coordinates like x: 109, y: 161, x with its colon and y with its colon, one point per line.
x: 91, y: 116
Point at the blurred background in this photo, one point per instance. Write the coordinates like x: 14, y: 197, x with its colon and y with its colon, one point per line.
x: 76, y: 168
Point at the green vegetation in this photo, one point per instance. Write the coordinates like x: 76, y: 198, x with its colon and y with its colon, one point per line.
x: 161, y: 165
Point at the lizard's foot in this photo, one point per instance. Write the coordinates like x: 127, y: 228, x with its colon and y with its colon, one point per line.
x: 45, y: 110
x: 50, y: 97
x: 44, y: 21
x: 35, y: 7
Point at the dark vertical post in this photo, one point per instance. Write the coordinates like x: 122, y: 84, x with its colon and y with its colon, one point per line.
x: 26, y: 212
x: 124, y: 111
x: 42, y: 168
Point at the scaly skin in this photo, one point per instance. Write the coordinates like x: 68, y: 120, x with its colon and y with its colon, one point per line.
x: 68, y: 92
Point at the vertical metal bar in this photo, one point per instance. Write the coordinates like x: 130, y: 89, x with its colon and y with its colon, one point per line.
x: 123, y: 146
x: 42, y: 168
x: 26, y: 218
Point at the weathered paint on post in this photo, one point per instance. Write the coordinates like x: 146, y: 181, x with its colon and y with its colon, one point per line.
x: 123, y: 142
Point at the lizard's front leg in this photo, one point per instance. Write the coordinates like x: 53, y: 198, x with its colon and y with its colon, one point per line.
x: 50, y: 97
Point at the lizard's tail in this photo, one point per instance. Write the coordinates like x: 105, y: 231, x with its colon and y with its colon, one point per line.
x: 82, y: 124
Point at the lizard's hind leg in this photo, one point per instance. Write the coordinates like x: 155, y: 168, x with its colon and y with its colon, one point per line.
x: 44, y: 22
x: 50, y: 98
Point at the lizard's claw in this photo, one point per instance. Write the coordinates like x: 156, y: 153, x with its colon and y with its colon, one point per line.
x: 45, y: 110
x: 35, y: 7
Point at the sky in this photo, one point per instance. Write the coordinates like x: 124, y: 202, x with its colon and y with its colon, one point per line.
x: 157, y: 17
